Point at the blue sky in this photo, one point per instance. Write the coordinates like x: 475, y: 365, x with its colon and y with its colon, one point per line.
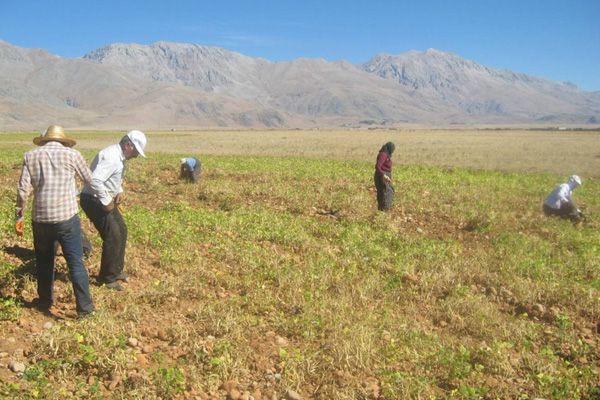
x: 553, y: 39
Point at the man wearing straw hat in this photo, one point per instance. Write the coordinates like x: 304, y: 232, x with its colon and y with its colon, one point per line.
x: 50, y: 172
x: 100, y: 200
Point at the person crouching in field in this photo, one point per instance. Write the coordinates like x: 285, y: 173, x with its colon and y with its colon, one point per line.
x: 100, y: 200
x: 560, y: 202
x: 383, y: 177
x: 50, y: 172
x: 190, y: 169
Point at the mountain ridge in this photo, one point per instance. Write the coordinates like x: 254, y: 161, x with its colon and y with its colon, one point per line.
x: 169, y: 84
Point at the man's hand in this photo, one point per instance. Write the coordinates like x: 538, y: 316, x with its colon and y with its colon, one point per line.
x: 119, y: 198
x: 109, y: 207
x: 19, y: 226
x: 19, y: 221
x: 387, y: 178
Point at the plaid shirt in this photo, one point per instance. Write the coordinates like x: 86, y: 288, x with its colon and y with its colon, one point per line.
x: 50, y: 171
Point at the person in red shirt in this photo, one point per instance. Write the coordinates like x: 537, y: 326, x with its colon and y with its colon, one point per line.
x: 383, y: 177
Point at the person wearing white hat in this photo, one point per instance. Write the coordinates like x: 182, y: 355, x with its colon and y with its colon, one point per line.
x: 190, y: 169
x: 560, y: 201
x: 100, y: 200
x: 49, y: 171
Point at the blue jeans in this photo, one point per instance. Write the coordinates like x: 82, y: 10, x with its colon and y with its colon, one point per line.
x: 68, y: 234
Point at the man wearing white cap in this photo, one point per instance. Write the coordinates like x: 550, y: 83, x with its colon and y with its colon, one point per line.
x: 560, y: 201
x: 100, y: 199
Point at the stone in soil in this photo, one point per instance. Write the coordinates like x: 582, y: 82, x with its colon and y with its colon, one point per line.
x: 292, y: 395
x: 142, y: 360
x: 147, y: 349
x: 16, y: 367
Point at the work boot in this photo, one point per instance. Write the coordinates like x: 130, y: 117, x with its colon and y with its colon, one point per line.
x: 42, y: 306
x: 114, y: 286
x: 85, y: 315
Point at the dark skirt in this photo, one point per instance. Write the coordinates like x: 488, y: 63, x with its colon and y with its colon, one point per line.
x: 385, y: 192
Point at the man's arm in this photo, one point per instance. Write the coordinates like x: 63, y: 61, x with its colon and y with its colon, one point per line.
x: 23, y: 189
x: 82, y: 170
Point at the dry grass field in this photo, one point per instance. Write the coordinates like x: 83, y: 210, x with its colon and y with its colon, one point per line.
x: 558, y: 152
x: 275, y: 277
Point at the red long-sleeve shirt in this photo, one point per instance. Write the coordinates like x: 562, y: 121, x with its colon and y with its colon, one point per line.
x: 384, y: 163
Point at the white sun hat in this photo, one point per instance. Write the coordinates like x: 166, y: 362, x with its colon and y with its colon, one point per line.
x: 139, y: 141
x: 576, y: 179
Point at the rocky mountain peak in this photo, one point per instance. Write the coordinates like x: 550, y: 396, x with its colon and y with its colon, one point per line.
x: 185, y: 63
x: 431, y: 69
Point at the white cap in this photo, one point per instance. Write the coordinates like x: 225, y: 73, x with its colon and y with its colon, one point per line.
x: 576, y: 179
x: 183, y: 160
x: 139, y: 141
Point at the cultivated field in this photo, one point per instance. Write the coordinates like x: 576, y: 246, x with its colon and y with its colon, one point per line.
x: 276, y: 273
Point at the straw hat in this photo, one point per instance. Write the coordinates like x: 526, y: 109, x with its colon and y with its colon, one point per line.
x: 54, y: 133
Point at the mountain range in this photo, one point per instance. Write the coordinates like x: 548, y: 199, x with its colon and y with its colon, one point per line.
x: 176, y: 85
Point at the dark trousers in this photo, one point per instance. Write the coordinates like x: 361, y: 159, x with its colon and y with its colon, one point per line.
x: 113, y: 231
x: 68, y: 234
x: 566, y: 210
x: 385, y: 193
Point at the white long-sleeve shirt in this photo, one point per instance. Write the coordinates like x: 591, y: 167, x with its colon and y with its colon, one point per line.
x: 559, y: 196
x: 108, y: 168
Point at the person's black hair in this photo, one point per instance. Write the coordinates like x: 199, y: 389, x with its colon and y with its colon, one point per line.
x: 389, y: 148
x: 124, y: 140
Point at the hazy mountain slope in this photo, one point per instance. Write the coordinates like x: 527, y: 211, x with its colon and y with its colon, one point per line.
x: 341, y: 91
x: 22, y: 103
x: 37, y: 88
x: 207, y: 68
x: 480, y: 91
x: 187, y: 85
x: 433, y: 86
x: 312, y: 88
